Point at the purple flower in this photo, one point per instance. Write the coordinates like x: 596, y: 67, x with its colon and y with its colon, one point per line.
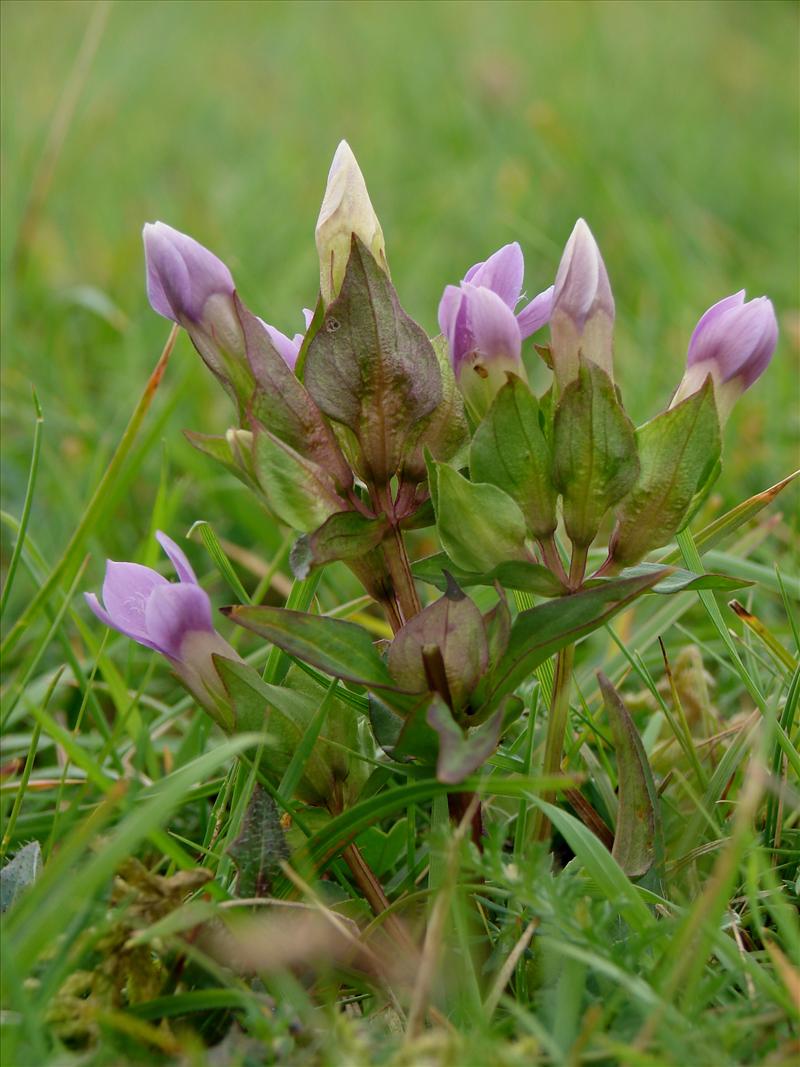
x: 181, y: 274
x: 582, y: 321
x: 733, y: 342
x: 191, y: 286
x: 288, y: 348
x: 484, y: 331
x: 171, y: 618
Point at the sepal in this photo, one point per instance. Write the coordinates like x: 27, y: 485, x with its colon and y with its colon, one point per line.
x: 346, y: 535
x: 678, y: 453
x: 510, y: 450
x: 594, y: 452
x: 372, y: 368
x: 480, y: 526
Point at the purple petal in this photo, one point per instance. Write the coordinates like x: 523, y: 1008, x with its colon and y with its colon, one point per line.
x: 473, y: 270
x: 286, y: 348
x: 582, y: 286
x: 740, y: 339
x: 172, y: 611
x: 126, y: 589
x: 768, y: 339
x: 177, y: 558
x: 168, y: 285
x: 308, y: 315
x: 707, y: 319
x: 502, y: 273
x: 106, y: 619
x: 453, y: 324
x: 491, y: 324
x: 536, y: 314
x: 181, y: 273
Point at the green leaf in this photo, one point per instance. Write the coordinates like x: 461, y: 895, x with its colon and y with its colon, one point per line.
x: 340, y: 649
x: 510, y: 450
x: 345, y: 535
x: 497, y: 624
x: 282, y: 404
x: 460, y: 754
x: 638, y: 830
x: 417, y: 738
x: 678, y: 449
x: 382, y: 850
x: 455, y: 627
x: 594, y: 450
x: 677, y: 580
x: 540, y: 632
x: 219, y: 449
x: 516, y: 574
x: 372, y: 367
x: 420, y: 518
x: 249, y: 695
x: 259, y: 848
x: 479, y: 525
x: 301, y: 493
x: 399, y: 725
x: 286, y: 714
x: 444, y: 432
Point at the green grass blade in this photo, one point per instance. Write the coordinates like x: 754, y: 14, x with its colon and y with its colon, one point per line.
x: 221, y: 561
x: 294, y: 772
x: 43, y: 911
x: 26, y: 507
x: 66, y: 566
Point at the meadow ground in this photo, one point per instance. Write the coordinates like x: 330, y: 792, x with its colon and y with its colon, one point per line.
x: 672, y: 128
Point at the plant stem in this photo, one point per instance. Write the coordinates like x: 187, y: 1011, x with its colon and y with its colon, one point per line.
x: 607, y: 569
x: 394, y: 550
x: 367, y: 881
x: 556, y: 730
x: 577, y: 566
x: 552, y: 559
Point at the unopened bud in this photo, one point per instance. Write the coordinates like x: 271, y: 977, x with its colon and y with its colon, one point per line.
x: 733, y: 342
x: 346, y: 210
x: 582, y: 321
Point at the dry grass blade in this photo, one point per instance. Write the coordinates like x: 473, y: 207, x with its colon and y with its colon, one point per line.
x: 506, y: 971
x: 789, y: 974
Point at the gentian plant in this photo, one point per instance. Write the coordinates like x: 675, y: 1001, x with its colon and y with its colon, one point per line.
x: 363, y: 429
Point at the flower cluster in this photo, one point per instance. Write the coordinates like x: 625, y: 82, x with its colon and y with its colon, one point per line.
x: 362, y: 427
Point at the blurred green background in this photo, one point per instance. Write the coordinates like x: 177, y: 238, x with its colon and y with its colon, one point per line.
x: 672, y: 127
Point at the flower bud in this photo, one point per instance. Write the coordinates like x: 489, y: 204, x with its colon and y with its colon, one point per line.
x: 182, y: 275
x: 582, y: 321
x: 733, y: 342
x: 171, y: 618
x: 346, y: 210
x: 484, y: 332
x: 191, y: 286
